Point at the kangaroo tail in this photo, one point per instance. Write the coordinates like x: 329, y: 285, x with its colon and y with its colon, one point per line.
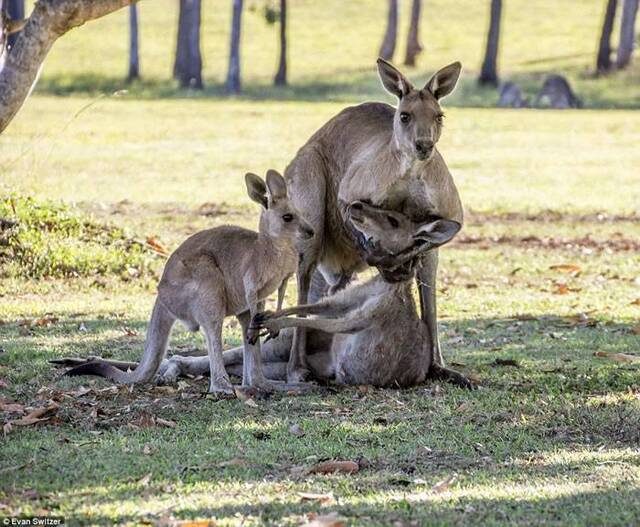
x: 155, y: 348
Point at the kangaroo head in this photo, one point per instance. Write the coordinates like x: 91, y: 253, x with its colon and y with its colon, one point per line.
x: 417, y: 123
x: 391, y: 233
x: 280, y: 218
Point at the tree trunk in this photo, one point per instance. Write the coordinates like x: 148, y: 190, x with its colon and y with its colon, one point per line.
x: 233, y: 75
x: 389, y: 43
x: 281, y: 76
x: 603, y: 60
x: 187, y: 67
x: 489, y: 71
x: 627, y: 33
x: 49, y: 20
x: 134, y: 61
x: 413, y: 40
x: 15, y: 11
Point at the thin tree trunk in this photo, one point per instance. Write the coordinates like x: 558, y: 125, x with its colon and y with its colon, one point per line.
x: 603, y: 60
x: 15, y: 10
x: 49, y: 20
x: 187, y: 68
x: 388, y: 46
x: 134, y: 60
x: 413, y: 40
x: 489, y: 71
x: 627, y: 33
x: 281, y: 76
x: 233, y: 75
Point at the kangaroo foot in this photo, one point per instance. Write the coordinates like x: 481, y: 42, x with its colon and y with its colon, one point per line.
x: 452, y: 376
x: 298, y: 375
x: 221, y: 386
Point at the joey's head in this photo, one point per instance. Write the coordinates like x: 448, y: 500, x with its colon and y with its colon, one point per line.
x: 417, y: 123
x: 389, y: 236
x: 280, y: 218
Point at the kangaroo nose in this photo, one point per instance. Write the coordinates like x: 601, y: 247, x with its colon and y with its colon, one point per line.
x: 309, y: 232
x: 423, y: 147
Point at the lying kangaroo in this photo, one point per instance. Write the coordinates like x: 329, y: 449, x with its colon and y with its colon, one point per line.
x: 557, y: 91
x: 217, y: 273
x: 378, y: 337
x: 388, y: 157
x: 511, y: 96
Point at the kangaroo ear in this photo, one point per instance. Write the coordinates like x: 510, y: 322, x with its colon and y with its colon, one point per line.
x: 436, y: 233
x: 256, y: 189
x: 392, y: 80
x: 276, y: 185
x: 444, y: 81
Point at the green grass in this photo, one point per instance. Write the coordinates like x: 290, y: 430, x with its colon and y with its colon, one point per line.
x: 553, y: 441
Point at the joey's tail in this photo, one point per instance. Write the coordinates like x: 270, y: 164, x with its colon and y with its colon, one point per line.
x: 155, y: 347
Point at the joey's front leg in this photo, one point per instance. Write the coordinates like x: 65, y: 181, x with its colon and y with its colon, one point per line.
x: 252, y: 370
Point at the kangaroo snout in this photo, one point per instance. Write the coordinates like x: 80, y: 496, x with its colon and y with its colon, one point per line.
x: 306, y: 231
x: 424, y: 147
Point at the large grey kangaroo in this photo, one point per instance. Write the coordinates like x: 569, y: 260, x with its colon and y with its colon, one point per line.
x: 386, y: 156
x: 366, y: 334
x: 216, y: 273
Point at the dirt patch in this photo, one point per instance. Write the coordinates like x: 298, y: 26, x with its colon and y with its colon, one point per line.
x: 585, y: 244
x: 547, y: 216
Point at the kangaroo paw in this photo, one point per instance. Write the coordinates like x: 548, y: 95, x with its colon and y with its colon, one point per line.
x: 451, y: 376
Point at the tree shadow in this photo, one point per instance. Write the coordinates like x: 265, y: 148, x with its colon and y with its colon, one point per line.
x: 347, y: 87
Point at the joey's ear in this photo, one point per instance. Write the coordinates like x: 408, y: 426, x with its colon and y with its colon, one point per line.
x: 256, y: 189
x: 436, y: 233
x: 444, y: 81
x: 392, y: 80
x: 276, y: 185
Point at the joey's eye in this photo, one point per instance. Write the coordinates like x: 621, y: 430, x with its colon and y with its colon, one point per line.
x: 287, y: 217
x: 393, y: 222
x: 405, y: 117
x: 439, y: 118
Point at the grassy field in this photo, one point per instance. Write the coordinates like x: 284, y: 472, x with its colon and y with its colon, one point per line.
x: 544, y: 276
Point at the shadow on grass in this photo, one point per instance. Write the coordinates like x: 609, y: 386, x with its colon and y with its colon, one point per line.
x: 593, y: 507
x: 348, y: 87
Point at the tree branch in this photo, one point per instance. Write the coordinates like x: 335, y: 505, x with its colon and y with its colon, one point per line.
x: 49, y: 20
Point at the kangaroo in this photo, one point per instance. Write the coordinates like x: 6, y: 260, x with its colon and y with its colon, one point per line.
x: 217, y: 273
x: 558, y: 92
x: 378, y: 337
x: 511, y: 96
x: 385, y: 156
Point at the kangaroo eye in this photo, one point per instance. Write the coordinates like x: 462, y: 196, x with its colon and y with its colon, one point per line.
x: 405, y: 117
x: 393, y: 222
x: 287, y: 217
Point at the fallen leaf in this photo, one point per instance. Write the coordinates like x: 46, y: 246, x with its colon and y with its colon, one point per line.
x: 567, y: 268
x: 506, y: 362
x: 165, y: 422
x: 157, y: 246
x: 635, y: 330
x: 147, y: 450
x: 129, y: 332
x: 296, y: 430
x: 618, y: 357
x: 327, y: 520
x: 323, y: 499
x: 36, y: 416
x: 444, y: 485
x: 144, y: 481
x: 636, y: 302
x: 234, y: 462
x: 11, y: 407
x: 328, y: 467
x: 561, y: 289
